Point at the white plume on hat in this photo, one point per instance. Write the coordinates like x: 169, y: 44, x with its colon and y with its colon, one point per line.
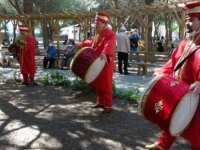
x: 123, y: 28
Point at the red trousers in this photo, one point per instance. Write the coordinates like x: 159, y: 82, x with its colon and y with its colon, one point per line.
x: 104, y: 98
x: 191, y: 133
x: 28, y: 78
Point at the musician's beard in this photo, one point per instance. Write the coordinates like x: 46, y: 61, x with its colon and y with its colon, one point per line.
x: 192, y: 33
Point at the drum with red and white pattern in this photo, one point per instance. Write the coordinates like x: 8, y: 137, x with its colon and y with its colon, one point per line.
x: 168, y: 103
x: 87, y: 65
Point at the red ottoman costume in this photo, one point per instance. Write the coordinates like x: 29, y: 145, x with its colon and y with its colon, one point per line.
x: 103, y: 43
x: 27, y: 56
x: 189, y: 72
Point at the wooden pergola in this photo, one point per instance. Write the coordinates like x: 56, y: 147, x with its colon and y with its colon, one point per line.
x: 144, y: 14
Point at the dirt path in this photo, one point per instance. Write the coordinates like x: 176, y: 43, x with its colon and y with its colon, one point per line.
x: 49, y: 117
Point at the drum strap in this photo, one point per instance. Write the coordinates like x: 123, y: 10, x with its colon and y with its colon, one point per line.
x: 183, y: 61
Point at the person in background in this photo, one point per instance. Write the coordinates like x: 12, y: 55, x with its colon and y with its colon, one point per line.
x: 104, y: 46
x: 134, y: 38
x: 159, y: 43
x: 50, y: 57
x: 69, y: 52
x: 26, y: 55
x: 65, y: 42
x: 123, y: 48
x: 185, y: 66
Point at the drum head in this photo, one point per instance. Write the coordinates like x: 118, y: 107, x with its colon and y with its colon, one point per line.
x: 94, y: 70
x: 183, y: 114
x: 13, y: 48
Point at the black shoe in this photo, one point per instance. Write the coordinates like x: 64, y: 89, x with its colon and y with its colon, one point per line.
x: 24, y: 83
x: 107, y: 110
x: 98, y: 106
x: 126, y: 73
x: 33, y: 84
x: 120, y: 72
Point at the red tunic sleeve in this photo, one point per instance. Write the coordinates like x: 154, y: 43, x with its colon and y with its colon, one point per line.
x: 168, y: 68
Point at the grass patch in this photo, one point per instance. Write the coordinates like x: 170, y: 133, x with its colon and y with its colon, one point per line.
x: 57, y: 78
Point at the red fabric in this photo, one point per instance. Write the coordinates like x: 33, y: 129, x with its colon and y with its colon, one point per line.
x: 104, y: 98
x: 192, y: 5
x: 25, y: 78
x: 190, y: 72
x: 27, y: 56
x: 23, y: 28
x: 165, y: 102
x: 105, y: 14
x: 165, y: 140
x: 104, y: 43
x: 102, y: 17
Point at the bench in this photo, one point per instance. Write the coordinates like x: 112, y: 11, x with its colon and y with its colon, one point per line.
x: 152, y: 59
x: 40, y: 53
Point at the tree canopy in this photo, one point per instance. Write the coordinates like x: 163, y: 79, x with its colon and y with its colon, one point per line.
x: 60, y: 6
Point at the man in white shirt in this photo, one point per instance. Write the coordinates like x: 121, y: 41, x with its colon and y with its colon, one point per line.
x: 123, y: 48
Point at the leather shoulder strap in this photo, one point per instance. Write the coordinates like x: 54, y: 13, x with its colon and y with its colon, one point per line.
x: 183, y: 61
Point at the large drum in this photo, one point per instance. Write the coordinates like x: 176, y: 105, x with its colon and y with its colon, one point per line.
x: 168, y: 103
x: 14, y: 48
x: 87, y: 65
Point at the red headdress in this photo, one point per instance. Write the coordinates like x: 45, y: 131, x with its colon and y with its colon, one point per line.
x: 102, y: 17
x: 23, y: 28
x: 193, y: 9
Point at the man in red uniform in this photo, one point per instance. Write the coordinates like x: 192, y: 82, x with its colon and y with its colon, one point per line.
x: 185, y: 66
x: 104, y: 45
x: 27, y: 55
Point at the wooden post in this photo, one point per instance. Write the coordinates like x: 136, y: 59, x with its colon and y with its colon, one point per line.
x: 181, y: 22
x: 146, y: 32
x: 85, y: 28
x: 114, y: 28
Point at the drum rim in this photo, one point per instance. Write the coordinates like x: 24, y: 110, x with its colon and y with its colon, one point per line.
x: 76, y: 55
x: 143, y: 98
x: 89, y: 69
x: 178, y: 106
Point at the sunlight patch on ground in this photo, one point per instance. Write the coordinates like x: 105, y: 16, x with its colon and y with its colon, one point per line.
x: 72, y: 135
x: 13, y: 125
x: 18, y: 134
x: 47, y: 141
x: 111, y: 144
x: 3, y: 115
x: 97, y: 130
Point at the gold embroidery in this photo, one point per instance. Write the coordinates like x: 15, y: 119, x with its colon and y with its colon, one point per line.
x: 158, y: 106
x: 174, y: 83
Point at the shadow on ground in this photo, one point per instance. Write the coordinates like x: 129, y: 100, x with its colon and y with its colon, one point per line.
x: 50, y: 117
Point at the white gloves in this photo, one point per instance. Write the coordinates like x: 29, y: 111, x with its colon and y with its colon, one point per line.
x: 195, y: 87
x: 103, y: 57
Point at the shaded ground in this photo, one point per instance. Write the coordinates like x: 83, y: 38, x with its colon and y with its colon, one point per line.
x: 49, y: 117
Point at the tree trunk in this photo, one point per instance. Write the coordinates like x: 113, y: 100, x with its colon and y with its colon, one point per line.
x: 28, y: 6
x: 150, y: 45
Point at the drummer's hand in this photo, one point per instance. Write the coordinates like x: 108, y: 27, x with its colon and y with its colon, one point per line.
x: 103, y: 57
x: 22, y: 47
x: 195, y: 87
x: 77, y: 44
